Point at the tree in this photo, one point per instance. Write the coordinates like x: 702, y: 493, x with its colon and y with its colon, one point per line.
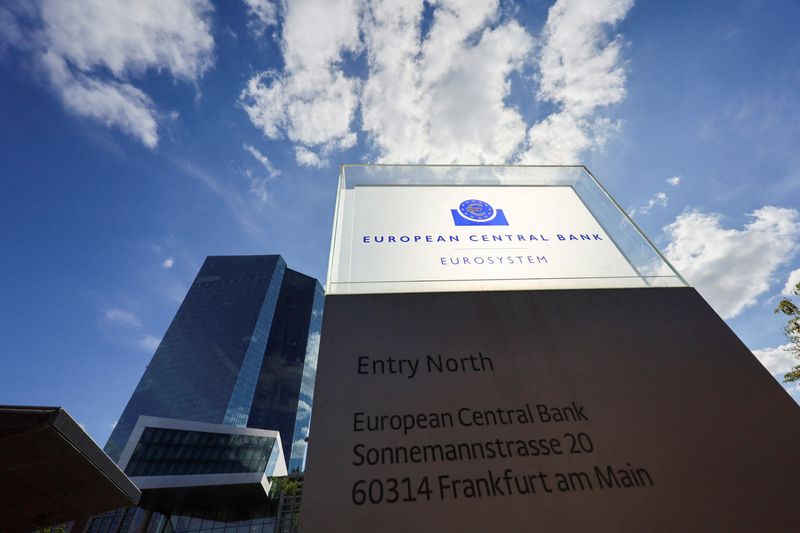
x: 287, y: 485
x: 60, y: 528
x: 792, y: 330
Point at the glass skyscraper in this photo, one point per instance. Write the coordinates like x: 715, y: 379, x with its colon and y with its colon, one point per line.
x: 284, y: 392
x: 240, y: 351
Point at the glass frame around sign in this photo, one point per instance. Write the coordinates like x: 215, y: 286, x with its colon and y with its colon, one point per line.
x: 648, y: 267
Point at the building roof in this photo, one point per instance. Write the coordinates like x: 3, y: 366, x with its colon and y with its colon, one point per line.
x: 51, y: 471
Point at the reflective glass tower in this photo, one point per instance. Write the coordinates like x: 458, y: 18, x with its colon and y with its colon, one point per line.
x: 240, y: 351
x: 283, y: 395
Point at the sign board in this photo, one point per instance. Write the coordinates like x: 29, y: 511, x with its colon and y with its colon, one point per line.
x: 418, y: 228
x: 429, y: 234
x: 424, y: 229
x: 453, y: 394
x: 562, y: 410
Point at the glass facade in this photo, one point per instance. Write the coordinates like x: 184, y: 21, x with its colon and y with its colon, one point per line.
x: 196, y: 369
x: 173, y: 452
x: 224, y: 521
x: 242, y: 397
x: 237, y: 352
x: 218, y: 519
x: 303, y: 419
x: 284, y: 392
x: 113, y: 521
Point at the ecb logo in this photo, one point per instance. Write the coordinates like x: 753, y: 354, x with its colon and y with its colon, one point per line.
x: 478, y: 213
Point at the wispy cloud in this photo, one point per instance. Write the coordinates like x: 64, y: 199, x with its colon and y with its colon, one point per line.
x: 674, y: 181
x: 168, y: 263
x: 149, y: 343
x: 129, y: 329
x: 232, y: 198
x: 123, y: 317
x: 261, y: 158
x: 263, y: 14
x: 90, y: 52
x: 258, y: 182
x: 659, y: 198
x: 12, y: 34
x: 115, y: 103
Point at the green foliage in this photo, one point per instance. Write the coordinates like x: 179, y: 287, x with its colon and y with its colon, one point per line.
x: 285, y: 485
x: 792, y: 331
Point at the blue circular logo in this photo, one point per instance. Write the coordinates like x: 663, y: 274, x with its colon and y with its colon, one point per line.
x: 476, y: 210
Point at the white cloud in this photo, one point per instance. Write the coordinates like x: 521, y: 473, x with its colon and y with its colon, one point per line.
x: 90, y: 50
x: 439, y: 96
x: 561, y: 138
x: 777, y: 360
x: 111, y: 102
x: 581, y: 71
x: 791, y: 283
x: 393, y: 113
x: 674, y: 181
x: 171, y: 35
x: 307, y: 158
x: 659, y: 198
x: 149, y: 343
x: 312, y: 102
x: 113, y: 424
x: 123, y: 317
x: 443, y: 100
x: 263, y: 14
x: 168, y: 263
x: 580, y: 68
x: 732, y: 267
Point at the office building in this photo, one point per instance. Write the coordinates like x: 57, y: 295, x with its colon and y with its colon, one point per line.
x: 225, y: 402
x: 284, y: 391
x: 240, y: 351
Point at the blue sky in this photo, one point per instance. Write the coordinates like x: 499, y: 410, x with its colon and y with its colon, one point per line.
x: 137, y: 141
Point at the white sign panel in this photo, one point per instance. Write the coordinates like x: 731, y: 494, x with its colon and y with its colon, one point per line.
x: 425, y: 236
